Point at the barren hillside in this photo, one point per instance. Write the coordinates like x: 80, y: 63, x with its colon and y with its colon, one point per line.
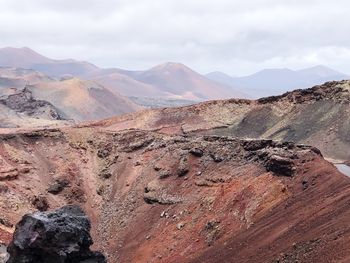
x: 318, y: 116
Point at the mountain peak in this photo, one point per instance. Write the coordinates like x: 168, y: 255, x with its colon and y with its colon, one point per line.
x: 22, y: 50
x: 321, y: 71
x: 21, y: 57
x: 170, y: 66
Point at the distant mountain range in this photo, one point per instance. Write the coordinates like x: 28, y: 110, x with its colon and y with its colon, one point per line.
x: 169, y: 80
x: 269, y: 82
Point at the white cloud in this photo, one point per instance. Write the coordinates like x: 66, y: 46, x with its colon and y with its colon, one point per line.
x: 230, y: 35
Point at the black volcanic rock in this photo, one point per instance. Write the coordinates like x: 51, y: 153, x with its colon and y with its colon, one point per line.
x: 61, y: 236
x: 280, y: 165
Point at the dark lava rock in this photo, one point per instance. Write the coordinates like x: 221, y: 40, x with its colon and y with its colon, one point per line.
x: 183, y: 167
x: 216, y: 158
x: 40, y: 202
x: 197, y: 152
x: 57, y: 186
x: 103, y: 153
x: 62, y: 236
x: 105, y: 173
x: 255, y: 145
x: 280, y: 165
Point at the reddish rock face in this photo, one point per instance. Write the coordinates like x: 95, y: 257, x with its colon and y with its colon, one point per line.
x: 239, y: 200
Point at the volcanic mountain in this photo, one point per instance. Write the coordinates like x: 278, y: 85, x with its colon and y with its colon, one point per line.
x: 179, y: 81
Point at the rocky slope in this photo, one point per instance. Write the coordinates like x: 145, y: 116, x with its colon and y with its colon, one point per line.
x: 155, y: 197
x: 318, y: 116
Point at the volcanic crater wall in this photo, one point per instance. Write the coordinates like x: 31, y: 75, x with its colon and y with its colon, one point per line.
x: 170, y: 198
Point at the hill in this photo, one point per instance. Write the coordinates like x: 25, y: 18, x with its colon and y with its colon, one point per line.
x: 317, y: 116
x: 70, y: 99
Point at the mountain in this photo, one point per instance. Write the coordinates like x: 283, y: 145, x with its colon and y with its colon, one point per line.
x: 275, y: 81
x: 83, y: 100
x: 163, y: 196
x: 167, y: 81
x: 124, y: 84
x: 14, y: 78
x: 220, y: 77
x: 29, y: 59
x: 178, y: 79
x: 30, y: 98
x: 21, y: 57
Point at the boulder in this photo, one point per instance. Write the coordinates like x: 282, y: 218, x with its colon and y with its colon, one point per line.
x: 280, y: 165
x: 58, y: 186
x: 61, y: 236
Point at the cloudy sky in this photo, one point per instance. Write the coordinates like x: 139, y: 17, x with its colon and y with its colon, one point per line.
x: 234, y: 36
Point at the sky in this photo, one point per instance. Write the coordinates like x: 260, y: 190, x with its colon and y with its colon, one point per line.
x: 236, y: 37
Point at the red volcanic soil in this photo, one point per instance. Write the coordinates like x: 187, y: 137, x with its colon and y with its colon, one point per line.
x: 177, y: 198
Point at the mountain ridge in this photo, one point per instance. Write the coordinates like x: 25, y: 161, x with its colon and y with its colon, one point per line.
x: 313, y: 116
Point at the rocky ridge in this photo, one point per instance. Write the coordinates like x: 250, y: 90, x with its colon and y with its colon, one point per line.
x: 318, y: 116
x: 332, y: 90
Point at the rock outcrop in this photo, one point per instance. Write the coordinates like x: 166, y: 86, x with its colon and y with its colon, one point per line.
x: 61, y: 236
x: 24, y: 103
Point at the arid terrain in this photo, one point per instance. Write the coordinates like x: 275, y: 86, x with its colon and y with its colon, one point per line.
x: 194, y: 184
x: 174, y: 131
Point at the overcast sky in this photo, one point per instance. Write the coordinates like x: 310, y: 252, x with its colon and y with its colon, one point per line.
x: 234, y: 36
